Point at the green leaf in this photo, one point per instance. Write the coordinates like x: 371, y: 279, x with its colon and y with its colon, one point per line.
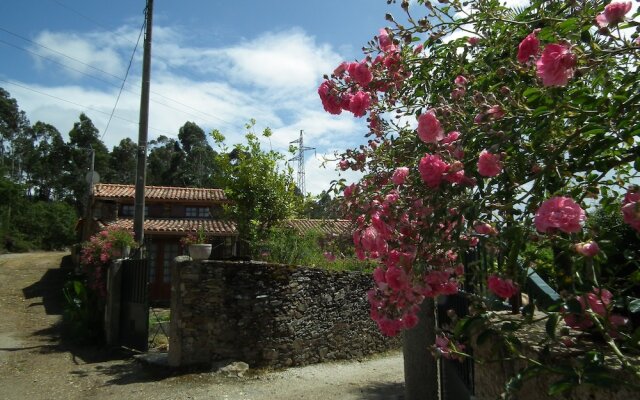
x: 560, y: 387
x: 634, y: 306
x: 530, y: 92
x: 540, y: 110
x: 594, y: 132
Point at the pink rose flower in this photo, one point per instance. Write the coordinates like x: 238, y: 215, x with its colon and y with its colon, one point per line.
x: 587, y: 249
x: 556, y: 65
x: 340, y: 69
x: 559, y: 213
x: 348, y: 191
x: 329, y: 256
x: 431, y: 169
x: 489, y: 164
x: 359, y: 72
x: 483, y: 228
x: 599, y: 301
x: 461, y: 81
x: 454, y: 177
x: 458, y: 93
x: 631, y: 209
x: 345, y: 101
x: 389, y: 327
x: 359, y: 104
x: 429, y: 128
x: 397, y: 278
x: 529, y: 47
x: 344, y: 165
x: 495, y: 112
x: 386, y: 44
x: 329, y: 98
x: 409, y: 321
x: 451, y: 137
x: 473, y: 40
x: 613, y: 14
x: 400, y: 175
x: 503, y: 288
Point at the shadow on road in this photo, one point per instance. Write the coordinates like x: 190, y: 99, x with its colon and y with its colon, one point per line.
x: 382, y: 391
x: 49, y: 288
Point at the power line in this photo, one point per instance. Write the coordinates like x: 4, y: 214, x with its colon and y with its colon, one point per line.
x: 58, y: 63
x: 155, y: 56
x: 124, y: 80
x: 79, y: 105
x: 119, y: 78
x: 113, y: 84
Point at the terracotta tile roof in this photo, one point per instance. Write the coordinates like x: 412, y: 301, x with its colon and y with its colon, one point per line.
x: 179, y: 226
x: 326, y: 226
x: 110, y: 191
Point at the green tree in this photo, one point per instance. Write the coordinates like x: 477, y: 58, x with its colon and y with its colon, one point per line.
x: 84, y: 140
x: 46, y: 225
x: 123, y: 162
x: 13, y: 126
x: 261, y: 192
x: 198, y: 167
x: 13, y: 200
x: 48, y: 163
x: 164, y: 162
x: 322, y: 206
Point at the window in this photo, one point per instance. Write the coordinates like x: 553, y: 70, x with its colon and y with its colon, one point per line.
x: 129, y: 209
x: 197, y: 212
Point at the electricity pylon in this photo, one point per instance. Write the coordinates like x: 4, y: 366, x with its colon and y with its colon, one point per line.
x: 300, y: 158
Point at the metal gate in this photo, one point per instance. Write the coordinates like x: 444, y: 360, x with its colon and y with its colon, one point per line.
x: 127, y: 308
x: 456, y: 377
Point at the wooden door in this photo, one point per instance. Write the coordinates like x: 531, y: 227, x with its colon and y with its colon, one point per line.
x: 162, y: 252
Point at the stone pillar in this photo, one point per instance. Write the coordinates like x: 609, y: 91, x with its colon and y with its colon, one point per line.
x: 175, y: 333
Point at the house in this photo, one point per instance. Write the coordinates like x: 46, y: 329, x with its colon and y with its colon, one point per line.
x: 326, y: 227
x: 171, y: 213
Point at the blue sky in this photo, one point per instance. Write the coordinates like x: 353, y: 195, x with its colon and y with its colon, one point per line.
x: 216, y: 63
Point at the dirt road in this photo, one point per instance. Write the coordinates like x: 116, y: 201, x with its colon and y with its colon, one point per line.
x: 36, y: 364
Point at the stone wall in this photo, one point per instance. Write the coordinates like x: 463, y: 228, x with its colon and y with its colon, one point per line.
x: 491, y: 377
x: 269, y: 315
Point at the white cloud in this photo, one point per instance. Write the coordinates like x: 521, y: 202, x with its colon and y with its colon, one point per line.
x: 93, y: 50
x: 285, y: 60
x: 318, y: 178
x: 272, y: 77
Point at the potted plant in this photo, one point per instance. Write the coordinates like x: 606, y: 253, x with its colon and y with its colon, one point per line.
x: 197, y: 244
x: 121, y: 242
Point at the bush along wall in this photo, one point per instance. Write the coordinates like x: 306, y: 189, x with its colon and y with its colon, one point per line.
x: 269, y: 315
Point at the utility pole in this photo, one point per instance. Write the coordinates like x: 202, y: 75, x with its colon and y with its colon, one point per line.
x: 300, y: 159
x: 138, y: 216
x: 88, y: 210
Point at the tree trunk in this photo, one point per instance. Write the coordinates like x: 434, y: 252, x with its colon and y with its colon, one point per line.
x: 420, y: 372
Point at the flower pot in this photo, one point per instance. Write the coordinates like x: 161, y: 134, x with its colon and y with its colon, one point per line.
x: 120, y: 252
x: 200, y: 251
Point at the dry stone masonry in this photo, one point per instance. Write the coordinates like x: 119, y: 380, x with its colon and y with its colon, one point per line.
x: 269, y: 315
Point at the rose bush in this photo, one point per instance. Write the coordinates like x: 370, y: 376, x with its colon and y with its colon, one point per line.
x: 497, y: 131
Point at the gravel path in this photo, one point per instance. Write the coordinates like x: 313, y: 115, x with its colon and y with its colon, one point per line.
x: 35, y: 364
